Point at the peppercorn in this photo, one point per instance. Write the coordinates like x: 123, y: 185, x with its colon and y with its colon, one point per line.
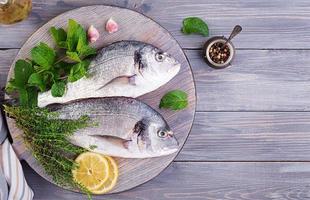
x: 219, y: 53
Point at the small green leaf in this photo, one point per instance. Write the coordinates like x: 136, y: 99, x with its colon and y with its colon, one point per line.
x: 43, y: 55
x: 23, y: 97
x: 22, y: 71
x: 36, y: 79
x: 58, y: 89
x: 32, y: 97
x: 73, y: 34
x: 11, y: 86
x: 63, y: 44
x: 175, y: 100
x: 87, y: 51
x: 78, y: 71
x: 82, y: 42
x: 195, y: 25
x: 73, y: 56
x: 59, y: 36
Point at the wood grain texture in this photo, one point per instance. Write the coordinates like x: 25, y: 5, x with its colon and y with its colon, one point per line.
x: 248, y: 136
x: 133, y: 172
x: 200, y: 180
x: 267, y: 24
x: 258, y: 80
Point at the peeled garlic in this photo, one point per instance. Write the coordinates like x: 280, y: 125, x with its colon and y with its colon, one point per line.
x: 92, y: 34
x: 111, y: 26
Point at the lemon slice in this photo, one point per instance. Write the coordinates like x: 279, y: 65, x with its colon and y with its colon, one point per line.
x: 93, y: 170
x: 112, y: 178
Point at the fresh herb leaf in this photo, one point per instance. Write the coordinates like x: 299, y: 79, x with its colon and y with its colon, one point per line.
x: 58, y: 89
x: 23, y: 97
x: 11, y: 86
x: 64, y: 68
x: 59, y: 36
x: 27, y: 94
x: 22, y: 71
x: 73, y: 56
x: 87, y: 51
x: 36, y: 79
x: 43, y: 55
x: 32, y: 97
x: 83, y: 48
x: 92, y: 147
x: 78, y: 71
x: 195, y: 25
x: 175, y: 100
x: 81, y: 42
x: 73, y: 34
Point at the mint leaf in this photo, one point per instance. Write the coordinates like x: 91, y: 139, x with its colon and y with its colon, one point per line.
x: 78, y: 71
x: 23, y: 97
x: 22, y: 71
x: 195, y: 25
x: 83, y: 48
x: 36, y: 79
x: 73, y: 34
x: 11, y: 86
x: 82, y: 42
x: 59, y: 36
x: 175, y: 100
x: 32, y: 96
x: 43, y: 55
x: 87, y: 51
x: 73, y: 56
x: 58, y: 89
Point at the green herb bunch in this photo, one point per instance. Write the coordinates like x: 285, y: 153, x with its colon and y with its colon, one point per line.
x: 46, y: 137
x: 50, y: 69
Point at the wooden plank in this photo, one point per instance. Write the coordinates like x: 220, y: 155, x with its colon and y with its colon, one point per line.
x: 267, y: 24
x: 212, y: 181
x: 248, y: 136
x: 269, y: 80
x: 258, y: 80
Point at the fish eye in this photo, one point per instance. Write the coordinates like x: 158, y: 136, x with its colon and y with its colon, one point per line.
x: 162, y: 134
x: 160, y: 56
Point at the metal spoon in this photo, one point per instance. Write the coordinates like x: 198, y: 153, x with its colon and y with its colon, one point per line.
x: 237, y: 29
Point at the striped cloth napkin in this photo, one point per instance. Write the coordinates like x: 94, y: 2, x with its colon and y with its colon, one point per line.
x: 13, y: 185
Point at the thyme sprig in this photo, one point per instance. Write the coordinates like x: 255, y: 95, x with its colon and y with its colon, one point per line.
x: 46, y: 137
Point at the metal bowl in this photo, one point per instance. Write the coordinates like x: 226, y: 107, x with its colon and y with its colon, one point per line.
x: 207, y: 47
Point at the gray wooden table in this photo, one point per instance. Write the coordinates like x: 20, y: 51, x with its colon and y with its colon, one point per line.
x: 251, y: 135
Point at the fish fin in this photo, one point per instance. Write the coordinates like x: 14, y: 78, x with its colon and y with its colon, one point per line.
x: 113, y: 140
x: 126, y: 143
x: 122, y: 80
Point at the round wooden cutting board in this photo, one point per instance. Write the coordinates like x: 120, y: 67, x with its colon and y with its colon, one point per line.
x: 133, y: 26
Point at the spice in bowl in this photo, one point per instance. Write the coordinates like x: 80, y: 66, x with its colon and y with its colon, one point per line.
x: 217, y: 54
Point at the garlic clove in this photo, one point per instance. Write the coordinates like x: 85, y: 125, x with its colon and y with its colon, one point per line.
x: 92, y: 34
x: 111, y: 26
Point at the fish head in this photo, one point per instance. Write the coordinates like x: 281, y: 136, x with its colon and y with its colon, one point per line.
x: 154, y: 67
x: 156, y: 139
